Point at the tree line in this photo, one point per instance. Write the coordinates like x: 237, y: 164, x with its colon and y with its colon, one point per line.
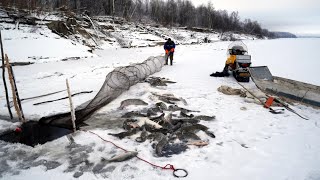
x: 165, y: 12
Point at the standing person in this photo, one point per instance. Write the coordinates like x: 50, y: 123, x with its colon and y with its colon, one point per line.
x: 169, y: 48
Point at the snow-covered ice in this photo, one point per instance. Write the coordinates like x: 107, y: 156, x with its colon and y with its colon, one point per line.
x: 249, y: 144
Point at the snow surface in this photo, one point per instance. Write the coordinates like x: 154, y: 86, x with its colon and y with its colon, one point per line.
x: 289, y: 58
x: 281, y: 146
x: 39, y: 45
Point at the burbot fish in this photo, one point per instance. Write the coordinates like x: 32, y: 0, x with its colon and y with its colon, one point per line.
x: 129, y: 102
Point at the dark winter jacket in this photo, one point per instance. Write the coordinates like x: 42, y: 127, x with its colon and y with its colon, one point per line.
x: 169, y: 45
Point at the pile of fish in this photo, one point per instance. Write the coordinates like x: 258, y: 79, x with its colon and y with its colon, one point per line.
x: 163, y: 123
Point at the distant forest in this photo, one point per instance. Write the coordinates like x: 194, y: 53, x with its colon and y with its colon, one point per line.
x: 165, y: 12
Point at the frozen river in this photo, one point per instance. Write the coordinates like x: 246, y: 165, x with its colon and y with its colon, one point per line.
x: 295, y: 59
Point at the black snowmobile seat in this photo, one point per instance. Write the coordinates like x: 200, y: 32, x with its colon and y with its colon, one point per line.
x: 232, y: 52
x: 236, y: 52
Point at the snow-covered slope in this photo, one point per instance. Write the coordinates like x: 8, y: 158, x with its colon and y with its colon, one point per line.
x: 39, y: 45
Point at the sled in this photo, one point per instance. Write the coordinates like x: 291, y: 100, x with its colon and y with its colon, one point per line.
x: 296, y: 91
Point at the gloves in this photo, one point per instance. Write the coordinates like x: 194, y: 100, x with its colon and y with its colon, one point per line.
x: 171, y: 50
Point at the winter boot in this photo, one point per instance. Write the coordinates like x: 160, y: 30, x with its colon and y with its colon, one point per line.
x: 225, y: 71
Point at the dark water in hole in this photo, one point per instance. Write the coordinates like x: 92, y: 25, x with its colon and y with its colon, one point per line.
x: 34, y: 133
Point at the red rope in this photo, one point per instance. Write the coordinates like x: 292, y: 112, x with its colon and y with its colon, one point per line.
x: 168, y: 166
x: 106, y: 140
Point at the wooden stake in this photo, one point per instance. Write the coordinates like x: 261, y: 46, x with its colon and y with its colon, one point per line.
x: 13, y: 89
x: 17, y: 94
x: 73, y: 116
x: 4, y: 78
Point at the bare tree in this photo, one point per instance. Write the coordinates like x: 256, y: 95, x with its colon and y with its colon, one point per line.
x: 166, y: 12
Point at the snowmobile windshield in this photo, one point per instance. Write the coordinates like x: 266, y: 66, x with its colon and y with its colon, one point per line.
x: 237, y: 48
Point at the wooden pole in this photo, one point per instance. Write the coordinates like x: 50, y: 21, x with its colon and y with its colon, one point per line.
x: 43, y: 95
x: 73, y: 115
x: 83, y: 92
x: 261, y: 102
x: 4, y: 78
x: 17, y: 94
x: 113, y: 8
x: 13, y: 89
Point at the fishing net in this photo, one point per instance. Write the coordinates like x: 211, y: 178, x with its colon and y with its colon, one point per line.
x: 117, y: 81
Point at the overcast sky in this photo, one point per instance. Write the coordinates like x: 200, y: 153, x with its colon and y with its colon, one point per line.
x: 301, y: 17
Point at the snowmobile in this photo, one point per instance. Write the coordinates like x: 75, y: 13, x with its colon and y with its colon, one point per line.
x: 238, y: 61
